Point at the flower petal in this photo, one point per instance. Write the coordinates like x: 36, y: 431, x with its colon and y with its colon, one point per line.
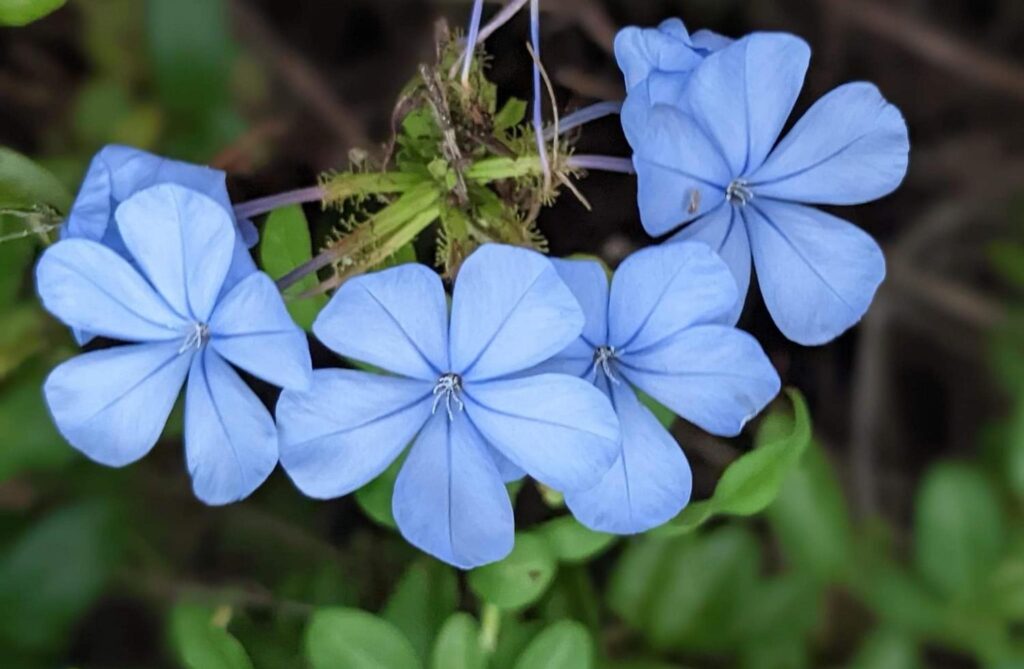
x: 449, y: 500
x: 649, y: 483
x: 726, y: 233
x: 395, y: 319
x: 230, y: 437
x: 510, y: 311
x: 88, y: 286
x: 714, y: 376
x: 660, y: 290
x: 559, y: 429
x: 710, y: 41
x: 347, y: 428
x: 588, y: 281
x: 184, y: 243
x: 743, y: 94
x: 818, y: 273
x: 680, y: 173
x: 251, y: 328
x: 642, y: 52
x: 112, y: 404
x: 850, y: 147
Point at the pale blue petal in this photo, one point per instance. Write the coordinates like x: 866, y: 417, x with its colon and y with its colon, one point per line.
x: 449, y: 499
x: 507, y: 470
x: 818, y: 273
x: 641, y: 52
x: 88, y: 286
x: 248, y: 233
x: 726, y: 233
x: 680, y: 173
x: 850, y: 147
x: 230, y: 437
x: 660, y: 290
x: 251, y: 328
x: 588, y: 281
x: 710, y: 41
x: 576, y: 359
x: 510, y: 311
x: 395, y: 319
x: 347, y: 428
x: 183, y: 241
x: 743, y: 94
x: 112, y: 404
x: 714, y: 376
x: 649, y: 483
x: 559, y: 429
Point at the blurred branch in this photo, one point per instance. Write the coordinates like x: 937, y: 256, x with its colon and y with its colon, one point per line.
x: 167, y: 590
x: 591, y: 16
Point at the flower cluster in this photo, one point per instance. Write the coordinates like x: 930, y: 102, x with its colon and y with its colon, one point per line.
x: 539, y: 367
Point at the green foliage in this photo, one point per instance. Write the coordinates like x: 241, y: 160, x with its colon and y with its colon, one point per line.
x: 374, y: 498
x: 571, y: 542
x: 425, y: 596
x: 23, y: 12
x: 458, y: 645
x: 520, y: 579
x: 284, y: 245
x: 354, y: 639
x: 887, y: 649
x: 31, y: 443
x: 25, y: 185
x: 564, y: 645
x: 201, y: 643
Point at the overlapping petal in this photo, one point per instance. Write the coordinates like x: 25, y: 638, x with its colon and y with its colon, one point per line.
x: 183, y: 241
x: 650, y: 481
x: 112, y: 404
x: 510, y: 311
x: 818, y: 273
x: 86, y: 285
x: 588, y: 282
x: 395, y: 319
x: 251, y: 328
x: 347, y: 428
x: 230, y: 437
x: 658, y: 59
x: 661, y: 290
x: 714, y: 376
x: 850, y: 147
x: 559, y: 429
x: 449, y: 498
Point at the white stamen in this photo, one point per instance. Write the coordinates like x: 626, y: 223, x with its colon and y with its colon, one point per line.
x: 739, y: 192
x: 448, y: 388
x: 603, y: 356
x: 196, y: 338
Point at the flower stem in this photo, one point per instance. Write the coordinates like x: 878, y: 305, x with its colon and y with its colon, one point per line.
x: 601, y: 163
x: 583, y: 116
x: 471, y: 38
x: 490, y: 626
x: 538, y: 102
x: 271, y: 202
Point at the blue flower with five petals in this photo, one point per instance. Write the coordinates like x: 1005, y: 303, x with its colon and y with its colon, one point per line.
x: 660, y: 328
x: 458, y: 392
x: 112, y: 404
x: 709, y: 159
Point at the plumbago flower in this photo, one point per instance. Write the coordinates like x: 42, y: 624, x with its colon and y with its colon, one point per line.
x: 458, y: 391
x: 118, y: 172
x: 662, y: 328
x: 112, y: 404
x: 709, y: 159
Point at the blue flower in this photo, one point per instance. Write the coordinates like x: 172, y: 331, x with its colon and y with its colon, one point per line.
x: 712, y: 161
x: 118, y: 172
x: 458, y: 391
x: 662, y: 329
x: 112, y: 404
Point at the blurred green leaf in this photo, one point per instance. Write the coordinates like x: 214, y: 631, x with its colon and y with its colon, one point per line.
x: 886, y: 649
x: 458, y: 645
x: 959, y: 529
x: 511, y: 115
x: 520, y: 579
x: 787, y: 607
x: 30, y: 440
x: 374, y: 498
x: 284, y: 245
x: 564, y: 645
x: 786, y: 653
x: 1014, y: 462
x: 571, y: 542
x: 754, y: 480
x: 52, y: 574
x: 660, y: 411
x: 810, y: 518
x: 1008, y: 259
x: 354, y: 639
x: 20, y: 338
x: 573, y: 596
x: 516, y: 634
x: 201, y: 644
x: 23, y: 12
x: 15, y: 256
x: 25, y: 184
x: 425, y: 596
x: 104, y: 113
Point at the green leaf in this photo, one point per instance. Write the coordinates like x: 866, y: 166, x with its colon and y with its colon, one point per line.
x: 53, y: 572
x: 511, y: 115
x: 1014, y: 464
x: 201, y: 644
x: 520, y: 579
x: 21, y: 337
x: 374, y: 498
x: 959, y: 529
x: 886, y: 649
x: 31, y: 442
x: 516, y: 634
x: 754, y: 480
x: 23, y: 12
x: 458, y: 645
x: 352, y: 639
x: 425, y: 596
x: 564, y: 645
x: 284, y: 245
x: 1008, y: 260
x: 660, y: 411
x: 15, y: 256
x: 571, y: 542
x: 24, y: 184
x: 573, y: 596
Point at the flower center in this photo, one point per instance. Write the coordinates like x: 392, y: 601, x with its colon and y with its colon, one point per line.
x: 447, y: 390
x: 739, y: 193
x: 603, y: 357
x: 196, y: 337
